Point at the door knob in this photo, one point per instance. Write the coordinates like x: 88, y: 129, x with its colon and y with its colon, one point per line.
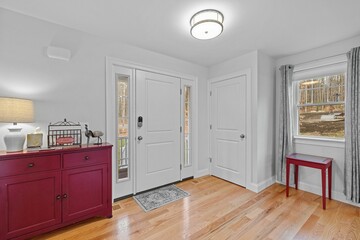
x: 242, y: 136
x: 140, y: 138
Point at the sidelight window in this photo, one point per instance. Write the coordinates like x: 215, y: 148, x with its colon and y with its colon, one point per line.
x: 187, y: 126
x: 122, y: 126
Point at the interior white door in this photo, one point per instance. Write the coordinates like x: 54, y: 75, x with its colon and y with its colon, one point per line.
x: 158, y: 130
x: 228, y: 125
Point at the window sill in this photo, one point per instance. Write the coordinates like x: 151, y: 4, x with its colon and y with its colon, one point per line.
x: 324, y: 142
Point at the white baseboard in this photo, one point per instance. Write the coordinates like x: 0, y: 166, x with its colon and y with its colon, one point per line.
x: 201, y: 173
x: 261, y: 186
x: 338, y: 196
x: 252, y: 187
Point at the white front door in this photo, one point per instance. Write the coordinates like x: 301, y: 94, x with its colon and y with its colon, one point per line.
x: 228, y: 125
x: 157, y: 130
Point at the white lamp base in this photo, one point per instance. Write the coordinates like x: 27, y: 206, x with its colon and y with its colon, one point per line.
x: 14, y: 141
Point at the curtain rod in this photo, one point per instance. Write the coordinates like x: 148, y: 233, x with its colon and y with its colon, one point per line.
x: 318, y: 59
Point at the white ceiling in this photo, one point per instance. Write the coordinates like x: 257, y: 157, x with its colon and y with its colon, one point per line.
x: 275, y: 27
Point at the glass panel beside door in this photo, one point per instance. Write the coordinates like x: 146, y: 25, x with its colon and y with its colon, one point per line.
x: 187, y: 126
x: 187, y: 123
x: 122, y: 127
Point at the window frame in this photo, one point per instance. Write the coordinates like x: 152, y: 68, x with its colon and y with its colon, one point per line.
x: 329, y: 69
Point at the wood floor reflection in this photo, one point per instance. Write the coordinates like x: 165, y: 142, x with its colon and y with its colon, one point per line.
x: 218, y: 209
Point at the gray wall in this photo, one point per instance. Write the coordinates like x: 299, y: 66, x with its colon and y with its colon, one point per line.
x: 74, y: 89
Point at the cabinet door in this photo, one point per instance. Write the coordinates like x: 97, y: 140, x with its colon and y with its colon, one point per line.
x: 84, y: 191
x: 29, y: 203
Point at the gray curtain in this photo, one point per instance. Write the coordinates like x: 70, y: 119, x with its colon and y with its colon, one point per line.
x: 285, y: 121
x: 352, y: 128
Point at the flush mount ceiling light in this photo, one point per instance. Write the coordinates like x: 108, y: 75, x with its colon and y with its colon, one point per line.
x: 206, y: 24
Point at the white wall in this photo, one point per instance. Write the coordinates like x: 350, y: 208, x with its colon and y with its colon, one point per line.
x: 76, y: 89
x: 242, y: 62
x: 265, y: 120
x: 309, y: 179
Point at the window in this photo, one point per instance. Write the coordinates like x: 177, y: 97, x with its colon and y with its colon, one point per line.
x: 122, y: 126
x: 320, y: 106
x: 187, y: 126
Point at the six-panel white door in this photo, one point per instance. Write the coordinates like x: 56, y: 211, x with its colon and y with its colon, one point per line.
x: 157, y: 130
x: 228, y: 125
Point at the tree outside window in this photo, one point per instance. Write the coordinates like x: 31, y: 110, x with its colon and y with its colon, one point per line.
x: 321, y: 106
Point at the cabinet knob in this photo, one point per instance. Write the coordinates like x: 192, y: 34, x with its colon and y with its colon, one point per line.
x: 58, y: 197
x: 65, y: 196
x: 86, y: 157
x: 30, y: 165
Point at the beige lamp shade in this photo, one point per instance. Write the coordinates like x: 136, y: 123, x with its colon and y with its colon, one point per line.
x: 15, y: 110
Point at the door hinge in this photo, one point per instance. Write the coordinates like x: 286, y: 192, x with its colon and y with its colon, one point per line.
x: 210, y: 93
x: 180, y: 128
x: 210, y: 158
x: 210, y: 126
x: 180, y: 166
x: 180, y: 91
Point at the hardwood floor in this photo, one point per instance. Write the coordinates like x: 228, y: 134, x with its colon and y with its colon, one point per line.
x: 218, y: 209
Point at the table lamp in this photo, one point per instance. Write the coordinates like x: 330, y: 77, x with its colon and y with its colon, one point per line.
x: 15, y: 110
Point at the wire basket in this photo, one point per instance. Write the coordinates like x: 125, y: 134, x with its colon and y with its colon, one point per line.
x: 64, y: 133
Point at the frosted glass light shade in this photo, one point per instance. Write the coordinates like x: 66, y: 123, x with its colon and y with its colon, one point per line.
x: 15, y: 110
x: 206, y: 24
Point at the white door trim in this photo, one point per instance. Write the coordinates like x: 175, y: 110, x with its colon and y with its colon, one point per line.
x: 248, y: 161
x: 109, y: 123
x: 189, y: 171
x: 148, y: 68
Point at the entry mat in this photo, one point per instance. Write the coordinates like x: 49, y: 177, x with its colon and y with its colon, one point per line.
x: 159, y: 197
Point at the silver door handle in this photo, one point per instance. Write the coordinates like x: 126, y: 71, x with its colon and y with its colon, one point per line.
x: 242, y: 136
x: 140, y: 138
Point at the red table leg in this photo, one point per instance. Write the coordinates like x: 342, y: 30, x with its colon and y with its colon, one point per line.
x: 296, y: 177
x: 323, y: 180
x: 287, y: 178
x: 330, y: 178
x: 322, y: 163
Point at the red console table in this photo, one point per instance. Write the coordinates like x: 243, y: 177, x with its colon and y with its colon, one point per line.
x: 322, y: 163
x: 44, y: 190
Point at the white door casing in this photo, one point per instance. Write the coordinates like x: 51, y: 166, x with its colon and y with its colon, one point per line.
x: 187, y: 170
x: 228, y: 134
x: 158, y: 139
x: 122, y: 187
x: 117, y: 66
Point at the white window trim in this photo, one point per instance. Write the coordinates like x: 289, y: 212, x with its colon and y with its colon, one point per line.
x: 317, y: 68
x: 319, y: 141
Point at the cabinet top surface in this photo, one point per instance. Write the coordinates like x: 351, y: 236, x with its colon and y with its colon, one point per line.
x: 56, y: 150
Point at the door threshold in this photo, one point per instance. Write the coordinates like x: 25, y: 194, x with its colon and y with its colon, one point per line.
x: 131, y: 195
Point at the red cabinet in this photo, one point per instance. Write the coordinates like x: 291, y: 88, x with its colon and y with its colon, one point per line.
x: 84, y: 191
x: 45, y: 190
x: 29, y: 203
